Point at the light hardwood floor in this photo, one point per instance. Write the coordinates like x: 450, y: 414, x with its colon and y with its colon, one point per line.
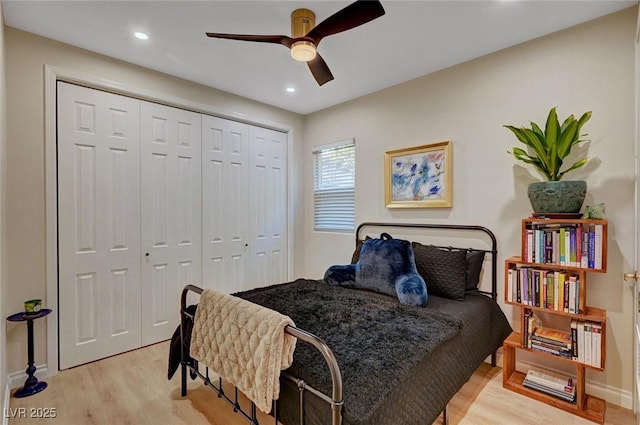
x: 132, y: 388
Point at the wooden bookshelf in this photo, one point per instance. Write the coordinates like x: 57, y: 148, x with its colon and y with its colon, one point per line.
x: 586, y: 406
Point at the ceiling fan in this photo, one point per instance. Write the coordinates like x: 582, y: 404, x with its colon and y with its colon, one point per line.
x: 305, y: 36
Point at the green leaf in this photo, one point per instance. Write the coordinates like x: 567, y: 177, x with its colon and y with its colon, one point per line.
x: 518, y: 133
x: 529, y: 138
x: 553, y: 156
x: 552, y: 127
x: 523, y: 156
x: 534, y: 142
x: 576, y: 164
x: 539, y: 133
x: 536, y: 128
x: 583, y: 119
x: 566, y: 122
x: 567, y: 139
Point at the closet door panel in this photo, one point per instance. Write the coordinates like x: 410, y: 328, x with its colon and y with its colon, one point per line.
x: 268, y: 246
x: 98, y: 224
x: 225, y: 163
x: 171, y: 214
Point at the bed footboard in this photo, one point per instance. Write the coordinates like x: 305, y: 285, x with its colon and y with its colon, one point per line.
x: 335, y: 400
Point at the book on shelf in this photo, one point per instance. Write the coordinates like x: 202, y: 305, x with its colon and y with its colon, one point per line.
x: 582, y: 343
x: 584, y: 253
x: 573, y: 293
x: 596, y: 347
x: 530, y: 322
x: 528, y: 254
x: 587, y: 342
x: 564, y: 244
x: 580, y: 332
x: 574, y: 339
x: 551, y: 383
x: 550, y: 289
x: 553, y: 336
x: 551, y: 341
x: 551, y: 379
x: 598, y: 246
x: 571, y: 398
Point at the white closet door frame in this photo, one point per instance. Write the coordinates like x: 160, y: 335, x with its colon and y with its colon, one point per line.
x: 52, y: 74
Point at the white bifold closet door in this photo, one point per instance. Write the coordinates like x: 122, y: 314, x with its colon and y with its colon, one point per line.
x: 171, y: 208
x: 226, y: 208
x: 268, y: 229
x: 244, y: 205
x: 129, y: 209
x: 151, y: 198
x: 98, y: 224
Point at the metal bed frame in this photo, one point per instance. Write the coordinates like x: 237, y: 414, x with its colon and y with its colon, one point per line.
x: 336, y: 398
x: 336, y: 378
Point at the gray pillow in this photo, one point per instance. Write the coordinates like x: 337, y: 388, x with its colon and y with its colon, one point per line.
x: 443, y: 270
x: 475, y: 260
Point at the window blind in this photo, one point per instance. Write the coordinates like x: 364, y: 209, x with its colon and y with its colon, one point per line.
x: 334, y: 187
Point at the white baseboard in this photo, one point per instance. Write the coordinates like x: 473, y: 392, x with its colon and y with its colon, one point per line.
x: 608, y: 393
x: 611, y: 395
x: 16, y: 379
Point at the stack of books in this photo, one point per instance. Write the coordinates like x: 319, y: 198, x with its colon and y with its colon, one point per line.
x: 551, y: 341
x: 551, y: 383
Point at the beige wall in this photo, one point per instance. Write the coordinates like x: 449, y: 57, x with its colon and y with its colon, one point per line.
x: 589, y: 67
x: 26, y: 56
x: 3, y: 215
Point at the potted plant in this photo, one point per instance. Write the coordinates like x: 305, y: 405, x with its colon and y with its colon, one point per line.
x: 547, y: 149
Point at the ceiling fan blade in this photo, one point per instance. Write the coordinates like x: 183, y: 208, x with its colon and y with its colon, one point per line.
x: 320, y: 70
x: 356, y: 14
x: 276, y: 39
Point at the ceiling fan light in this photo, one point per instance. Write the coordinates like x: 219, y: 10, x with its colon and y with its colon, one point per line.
x: 303, y: 51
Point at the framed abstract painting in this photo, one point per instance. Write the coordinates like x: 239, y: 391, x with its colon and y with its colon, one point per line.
x: 418, y: 177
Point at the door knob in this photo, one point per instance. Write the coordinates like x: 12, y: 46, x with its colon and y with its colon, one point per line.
x: 147, y: 254
x: 633, y: 276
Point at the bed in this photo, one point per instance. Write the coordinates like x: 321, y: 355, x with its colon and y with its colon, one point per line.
x: 365, y: 358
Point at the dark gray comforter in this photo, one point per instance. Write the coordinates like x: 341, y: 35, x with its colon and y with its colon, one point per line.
x: 399, y: 364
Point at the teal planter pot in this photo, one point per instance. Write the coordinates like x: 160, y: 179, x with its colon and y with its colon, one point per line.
x: 565, y: 196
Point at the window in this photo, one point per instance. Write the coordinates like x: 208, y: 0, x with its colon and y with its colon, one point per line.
x: 334, y: 195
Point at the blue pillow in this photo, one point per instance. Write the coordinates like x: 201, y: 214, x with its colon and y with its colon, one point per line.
x: 386, y: 266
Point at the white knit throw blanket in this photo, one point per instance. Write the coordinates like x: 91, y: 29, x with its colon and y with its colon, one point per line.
x: 244, y: 343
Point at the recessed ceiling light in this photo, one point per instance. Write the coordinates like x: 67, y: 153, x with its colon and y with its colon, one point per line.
x: 290, y: 89
x: 141, y: 36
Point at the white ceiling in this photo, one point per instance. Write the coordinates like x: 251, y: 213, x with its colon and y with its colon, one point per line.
x: 412, y: 39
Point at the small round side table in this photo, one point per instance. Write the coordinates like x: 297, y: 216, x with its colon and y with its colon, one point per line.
x: 31, y: 385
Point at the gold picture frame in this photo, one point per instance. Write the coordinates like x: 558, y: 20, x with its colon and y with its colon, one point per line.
x: 419, y: 177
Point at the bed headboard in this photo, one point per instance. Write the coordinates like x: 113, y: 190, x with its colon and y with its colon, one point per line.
x: 476, y: 232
